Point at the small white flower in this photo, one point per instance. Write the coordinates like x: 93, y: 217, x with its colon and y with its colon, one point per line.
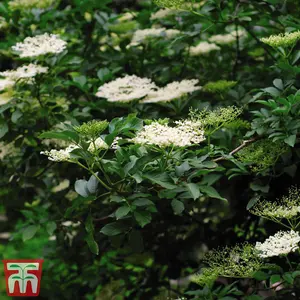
x: 142, y: 35
x: 29, y: 4
x: 97, y: 145
x: 163, y: 13
x: 174, y: 90
x: 126, y: 16
x: 6, y: 84
x: 282, y: 40
x: 184, y: 134
x: 115, y: 144
x: 60, y: 155
x: 40, y: 45
x: 282, y: 243
x: 228, y: 38
x: 126, y: 89
x: 203, y: 48
x: 23, y: 72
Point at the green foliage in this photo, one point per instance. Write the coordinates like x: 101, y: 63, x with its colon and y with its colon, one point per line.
x: 120, y: 217
x: 92, y: 129
x: 240, y: 261
x: 219, y: 86
x: 262, y: 154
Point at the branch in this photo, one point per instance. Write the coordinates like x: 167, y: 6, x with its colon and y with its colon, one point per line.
x: 240, y: 147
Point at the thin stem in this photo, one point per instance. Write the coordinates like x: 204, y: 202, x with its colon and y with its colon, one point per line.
x: 93, y: 173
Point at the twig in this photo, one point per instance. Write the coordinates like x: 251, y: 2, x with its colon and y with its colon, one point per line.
x: 240, y: 147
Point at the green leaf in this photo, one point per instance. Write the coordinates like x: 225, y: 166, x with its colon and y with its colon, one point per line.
x: 178, y: 206
x: 211, y: 192
x: 252, y: 202
x: 296, y: 274
x: 278, y: 83
x: 122, y: 212
x: 161, y: 179
x: 16, y: 116
x: 275, y: 278
x: 288, y: 278
x: 260, y: 275
x: 142, y: 202
x: 81, y: 188
x: 3, y: 128
x: 81, y: 80
x: 89, y: 225
x: 193, y: 190
x: 184, y: 167
x: 92, y: 243
x: 50, y: 227
x: 63, y: 135
x: 29, y: 232
x: 104, y: 74
x: 142, y: 217
x: 291, y: 140
x: 92, y: 184
x: 131, y: 164
x: 112, y: 229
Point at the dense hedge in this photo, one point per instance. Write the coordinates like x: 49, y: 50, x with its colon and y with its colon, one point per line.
x: 149, y: 150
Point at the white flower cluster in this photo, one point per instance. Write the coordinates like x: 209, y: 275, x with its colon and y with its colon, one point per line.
x: 6, y: 84
x: 29, y: 4
x: 60, y: 155
x: 282, y: 243
x: 40, y: 45
x: 184, y: 134
x: 8, y: 150
x: 126, y: 89
x: 288, y: 207
x: 131, y: 88
x: 23, y: 72
x: 163, y: 13
x: 228, y: 38
x: 142, y: 35
x: 97, y: 145
x: 203, y: 48
x: 171, y: 91
x: 282, y: 40
x: 126, y: 16
x: 115, y: 143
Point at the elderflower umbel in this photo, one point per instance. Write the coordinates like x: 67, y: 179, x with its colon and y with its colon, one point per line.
x: 170, y: 3
x: 92, y: 129
x: 282, y: 40
x: 60, y: 155
x: 282, y: 243
x: 142, y: 35
x: 40, y: 45
x: 6, y: 84
x: 29, y: 4
x: 163, y: 135
x: 203, y: 48
x: 24, y: 72
x: 288, y: 207
x: 163, y: 13
x: 98, y: 144
x: 126, y: 89
x: 228, y: 38
x: 173, y: 90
